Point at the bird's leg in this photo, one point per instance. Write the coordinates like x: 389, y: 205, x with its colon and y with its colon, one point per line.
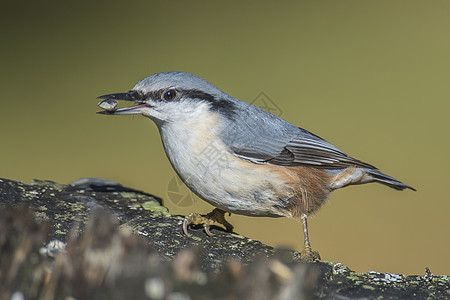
x: 307, y: 253
x: 216, y: 216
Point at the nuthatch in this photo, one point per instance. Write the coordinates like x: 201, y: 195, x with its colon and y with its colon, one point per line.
x: 240, y: 158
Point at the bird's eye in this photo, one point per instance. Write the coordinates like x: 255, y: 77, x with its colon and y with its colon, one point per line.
x: 170, y: 95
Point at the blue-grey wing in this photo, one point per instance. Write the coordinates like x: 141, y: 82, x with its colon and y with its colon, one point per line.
x: 261, y: 137
x: 308, y: 149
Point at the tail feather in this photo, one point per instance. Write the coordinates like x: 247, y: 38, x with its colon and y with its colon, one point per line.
x: 388, y: 180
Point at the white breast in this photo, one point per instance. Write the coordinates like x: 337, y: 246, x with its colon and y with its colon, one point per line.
x: 215, y: 174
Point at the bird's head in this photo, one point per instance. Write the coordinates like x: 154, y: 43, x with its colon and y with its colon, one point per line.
x: 170, y: 97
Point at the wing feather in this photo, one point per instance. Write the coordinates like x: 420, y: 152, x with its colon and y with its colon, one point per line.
x: 261, y: 137
x: 317, y: 153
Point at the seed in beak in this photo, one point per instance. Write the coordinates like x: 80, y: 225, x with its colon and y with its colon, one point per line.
x: 109, y: 105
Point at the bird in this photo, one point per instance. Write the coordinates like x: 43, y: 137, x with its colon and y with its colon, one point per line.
x: 238, y: 157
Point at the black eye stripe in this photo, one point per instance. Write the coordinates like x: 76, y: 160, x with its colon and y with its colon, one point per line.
x: 225, y: 106
x: 136, y: 95
x: 193, y: 93
x: 155, y: 95
x: 159, y: 94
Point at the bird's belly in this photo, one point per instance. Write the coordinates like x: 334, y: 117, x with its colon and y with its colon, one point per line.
x: 224, y: 180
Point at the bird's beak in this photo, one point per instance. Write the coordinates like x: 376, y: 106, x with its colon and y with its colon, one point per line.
x: 110, y: 102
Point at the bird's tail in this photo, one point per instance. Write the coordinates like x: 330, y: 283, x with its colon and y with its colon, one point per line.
x: 388, y: 180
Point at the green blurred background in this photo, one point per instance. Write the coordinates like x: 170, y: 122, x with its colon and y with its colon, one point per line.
x: 371, y: 77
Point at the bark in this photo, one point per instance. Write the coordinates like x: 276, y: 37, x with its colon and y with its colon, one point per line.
x: 95, y: 239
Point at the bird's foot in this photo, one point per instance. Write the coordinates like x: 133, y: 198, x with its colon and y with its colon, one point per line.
x: 309, y: 255
x: 216, y: 216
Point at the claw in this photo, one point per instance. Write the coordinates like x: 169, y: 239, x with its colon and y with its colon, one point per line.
x: 216, y: 216
x: 309, y: 255
x: 185, y: 227
x: 208, y: 232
